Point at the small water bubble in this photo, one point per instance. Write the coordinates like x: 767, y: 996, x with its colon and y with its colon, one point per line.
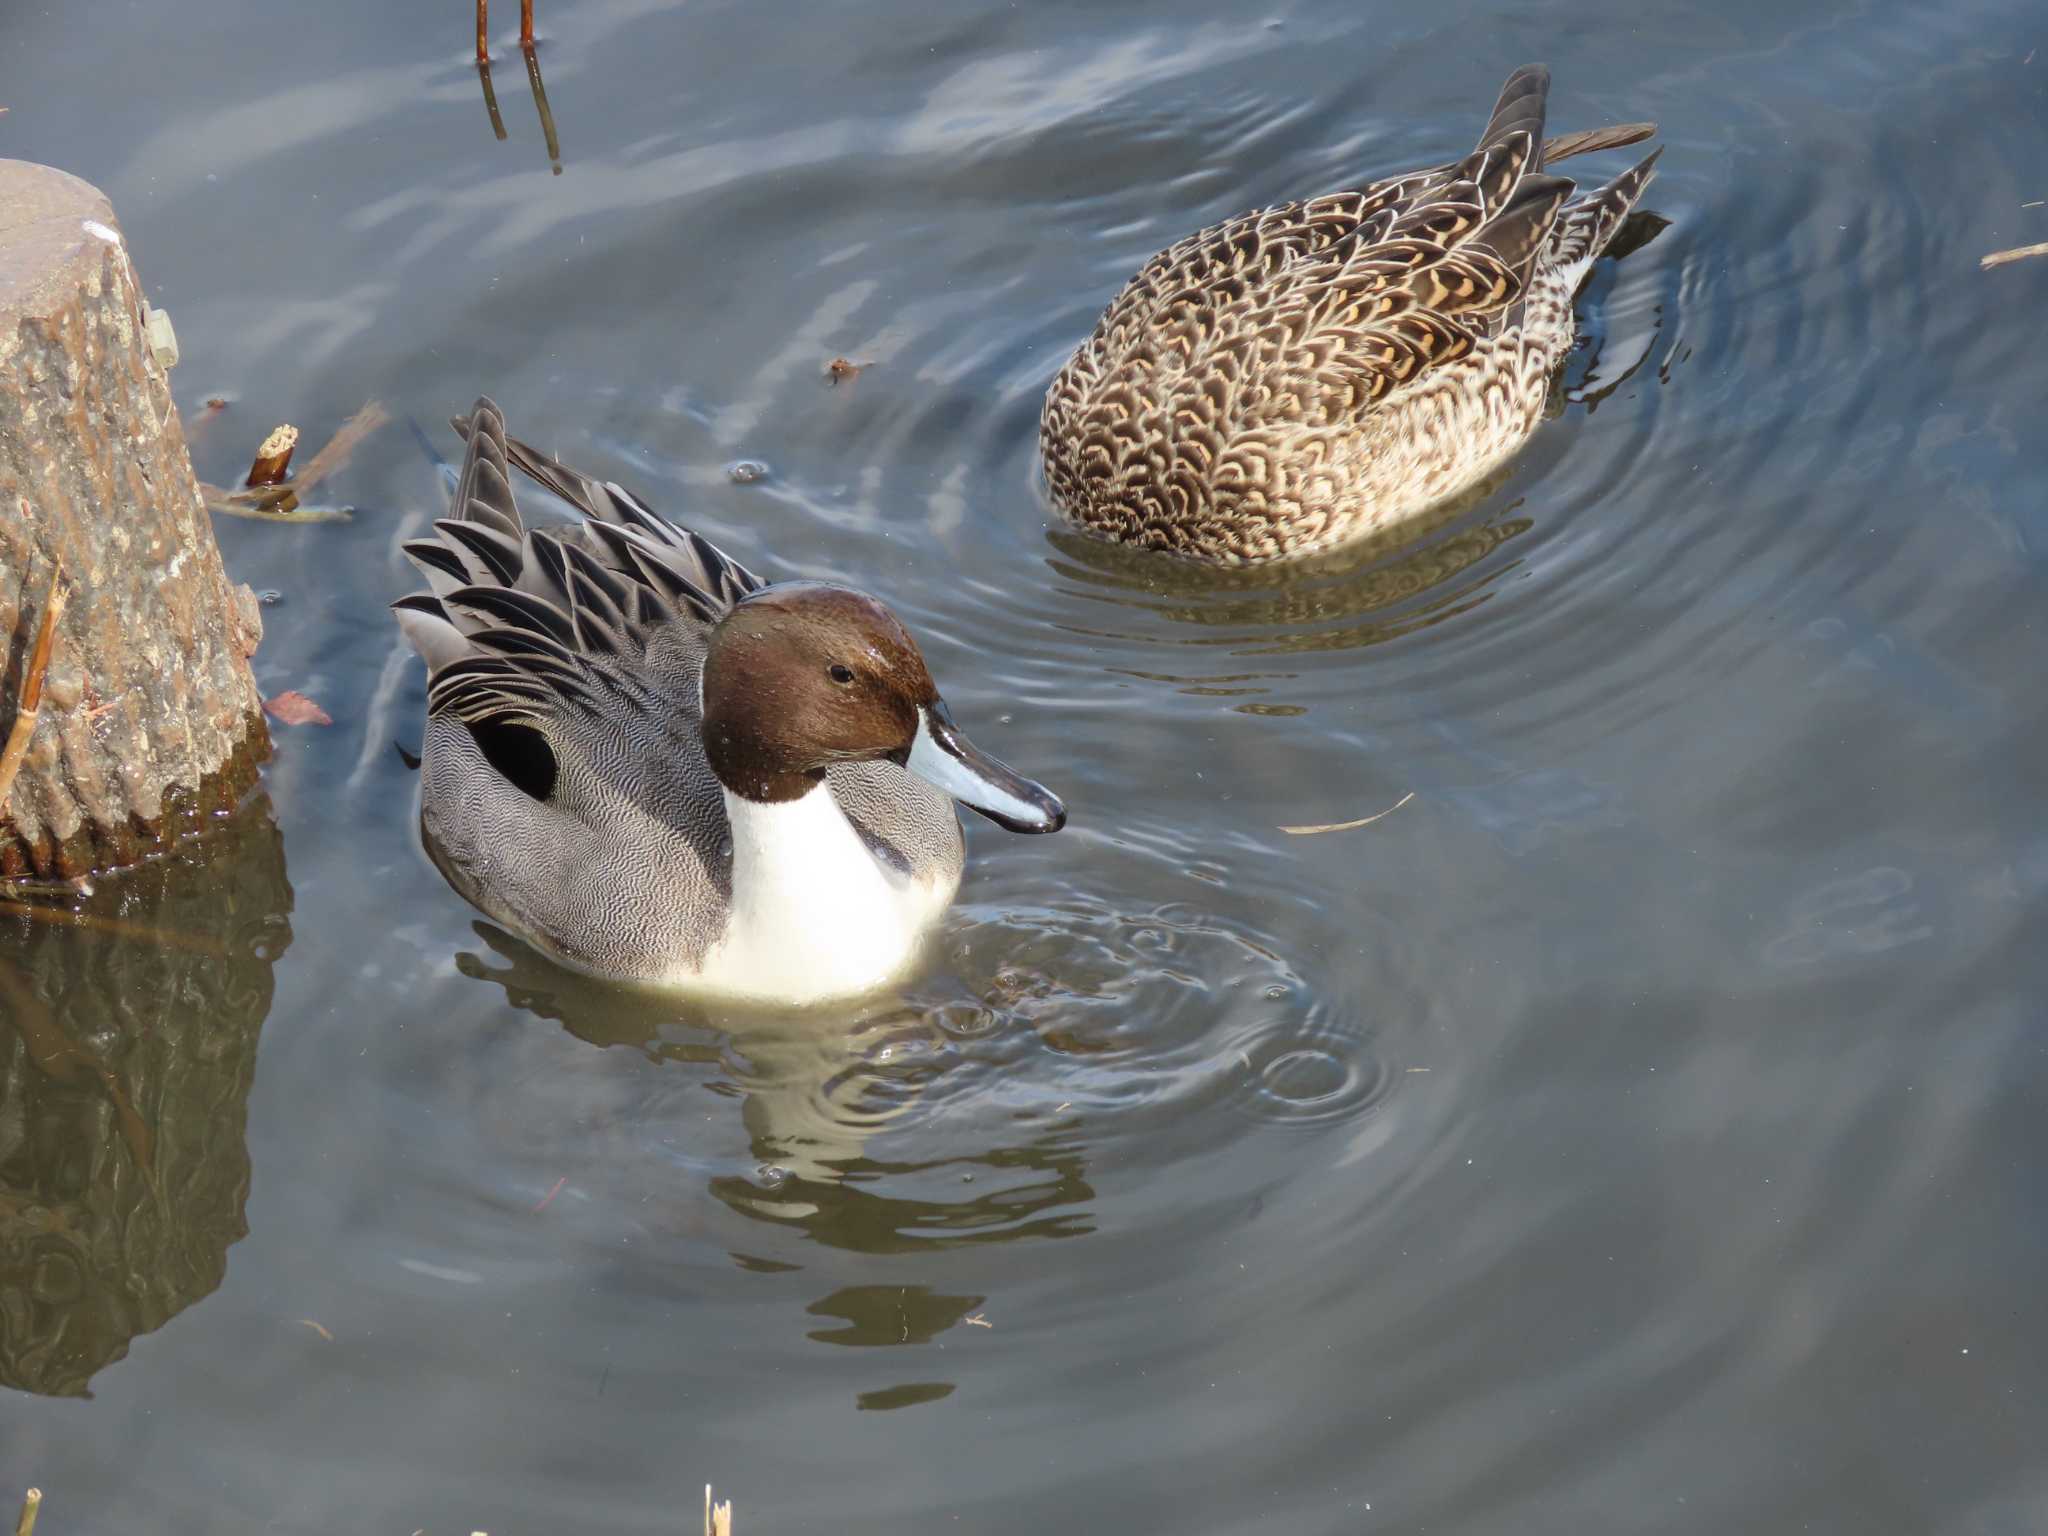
x: 746, y: 471
x: 1276, y: 993
x: 770, y: 1176
x: 270, y: 597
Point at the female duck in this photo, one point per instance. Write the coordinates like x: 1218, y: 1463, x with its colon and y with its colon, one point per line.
x: 653, y: 765
x: 1311, y: 373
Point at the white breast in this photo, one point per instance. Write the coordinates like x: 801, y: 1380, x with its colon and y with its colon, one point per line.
x: 814, y: 913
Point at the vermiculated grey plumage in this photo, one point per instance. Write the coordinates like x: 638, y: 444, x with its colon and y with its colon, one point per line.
x: 565, y: 789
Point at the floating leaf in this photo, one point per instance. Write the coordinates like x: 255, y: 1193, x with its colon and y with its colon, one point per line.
x: 293, y: 708
x: 1346, y: 826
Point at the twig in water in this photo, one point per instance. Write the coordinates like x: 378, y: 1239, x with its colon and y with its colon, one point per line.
x: 279, y: 502
x: 483, y: 31
x: 1346, y: 826
x: 526, y: 25
x: 547, y: 118
x: 29, y: 885
x: 274, y: 457
x: 269, y: 504
x: 31, y: 1502
x: 342, y: 445
x: 2017, y: 253
x: 142, y: 933
x: 31, y: 685
x: 483, y: 73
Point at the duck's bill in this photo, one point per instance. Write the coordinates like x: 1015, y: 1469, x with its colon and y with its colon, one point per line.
x: 942, y: 756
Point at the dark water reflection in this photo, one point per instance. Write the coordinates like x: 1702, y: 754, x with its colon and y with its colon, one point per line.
x: 128, y: 1030
x: 1638, y: 1129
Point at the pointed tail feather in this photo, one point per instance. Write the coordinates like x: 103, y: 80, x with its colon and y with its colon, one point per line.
x: 483, y: 489
x: 1520, y: 108
x: 1588, y: 224
x: 1588, y: 140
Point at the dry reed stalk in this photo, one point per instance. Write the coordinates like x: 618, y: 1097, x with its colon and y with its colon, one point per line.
x: 2017, y: 253
x: 547, y: 118
x: 483, y: 73
x: 483, y: 31
x: 717, y: 1517
x: 342, y: 446
x: 31, y: 1502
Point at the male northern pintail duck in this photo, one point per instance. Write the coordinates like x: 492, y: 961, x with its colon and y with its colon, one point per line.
x: 1310, y: 373
x: 654, y: 765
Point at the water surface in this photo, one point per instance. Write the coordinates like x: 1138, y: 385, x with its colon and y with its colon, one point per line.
x: 1638, y: 1130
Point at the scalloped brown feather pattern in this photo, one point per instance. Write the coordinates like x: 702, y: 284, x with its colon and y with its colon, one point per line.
x: 1310, y: 373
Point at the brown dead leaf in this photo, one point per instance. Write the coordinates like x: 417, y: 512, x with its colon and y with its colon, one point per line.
x: 842, y: 368
x: 293, y: 708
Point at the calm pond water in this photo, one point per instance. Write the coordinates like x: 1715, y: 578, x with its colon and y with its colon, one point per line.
x: 1639, y: 1130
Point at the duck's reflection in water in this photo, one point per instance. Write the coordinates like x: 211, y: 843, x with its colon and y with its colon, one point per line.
x: 816, y: 1088
x: 1375, y: 590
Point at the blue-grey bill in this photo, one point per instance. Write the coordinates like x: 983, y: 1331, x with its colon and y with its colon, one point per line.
x: 942, y: 756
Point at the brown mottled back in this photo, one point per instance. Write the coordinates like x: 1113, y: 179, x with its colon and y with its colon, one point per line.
x: 1307, y: 373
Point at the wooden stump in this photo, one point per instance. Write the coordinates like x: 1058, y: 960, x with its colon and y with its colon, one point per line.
x: 150, y: 716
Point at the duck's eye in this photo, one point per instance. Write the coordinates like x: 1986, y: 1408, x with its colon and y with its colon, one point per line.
x: 840, y: 673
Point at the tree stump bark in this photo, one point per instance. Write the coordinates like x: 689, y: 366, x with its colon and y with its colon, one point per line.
x: 150, y: 716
